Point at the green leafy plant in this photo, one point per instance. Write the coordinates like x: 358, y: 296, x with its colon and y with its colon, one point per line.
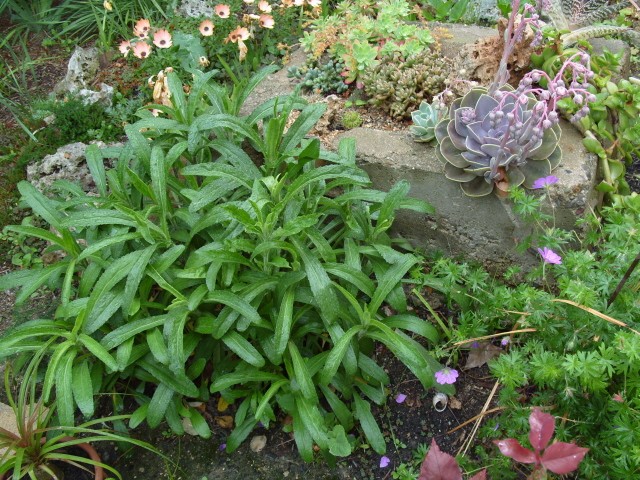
x: 351, y: 119
x: 359, y: 35
x: 445, y: 10
x: 321, y: 78
x: 220, y: 258
x: 39, y: 446
x: 425, y: 120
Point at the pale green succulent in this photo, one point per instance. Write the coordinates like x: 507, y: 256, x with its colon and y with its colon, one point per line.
x: 425, y: 120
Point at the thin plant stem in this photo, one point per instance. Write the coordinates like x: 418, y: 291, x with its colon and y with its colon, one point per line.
x: 624, y: 279
x: 444, y: 328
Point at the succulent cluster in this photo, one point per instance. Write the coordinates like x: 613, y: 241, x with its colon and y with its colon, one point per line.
x: 510, y: 137
x: 351, y: 119
x: 425, y: 120
x: 398, y: 85
x: 320, y: 78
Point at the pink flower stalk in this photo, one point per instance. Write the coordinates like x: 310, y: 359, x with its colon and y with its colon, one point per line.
x: 222, y: 10
x: 162, y: 39
x: 141, y: 50
x: 264, y: 6
x: 544, y: 182
x: 384, y: 462
x: 549, y: 256
x: 446, y: 376
x: 266, y: 21
x: 142, y: 28
x: 401, y: 397
x: 125, y: 47
x: 206, y: 28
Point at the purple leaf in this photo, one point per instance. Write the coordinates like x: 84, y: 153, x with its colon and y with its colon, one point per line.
x: 511, y: 448
x: 481, y: 475
x: 438, y: 465
x: 563, y: 457
x: 542, y: 427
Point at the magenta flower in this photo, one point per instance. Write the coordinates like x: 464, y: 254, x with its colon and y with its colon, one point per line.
x: 549, y: 256
x: 384, y: 462
x: 544, y: 182
x: 401, y: 397
x: 446, y: 376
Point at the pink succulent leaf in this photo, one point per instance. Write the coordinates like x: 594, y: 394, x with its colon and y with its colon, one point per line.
x: 481, y: 475
x: 438, y: 465
x: 562, y: 458
x: 542, y: 427
x: 511, y: 448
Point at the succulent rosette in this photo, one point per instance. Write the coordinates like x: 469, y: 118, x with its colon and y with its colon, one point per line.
x: 496, y: 140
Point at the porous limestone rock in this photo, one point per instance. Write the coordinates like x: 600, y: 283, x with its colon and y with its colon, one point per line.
x: 83, y: 67
x: 67, y: 163
x: 195, y: 8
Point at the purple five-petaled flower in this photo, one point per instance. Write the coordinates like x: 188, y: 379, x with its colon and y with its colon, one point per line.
x: 446, y: 376
x: 549, y: 256
x: 544, y: 182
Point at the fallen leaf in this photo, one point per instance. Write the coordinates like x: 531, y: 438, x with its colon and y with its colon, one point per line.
x: 258, y: 443
x: 481, y: 354
x: 225, y: 421
x: 438, y: 465
x: 455, y: 403
x: 222, y: 405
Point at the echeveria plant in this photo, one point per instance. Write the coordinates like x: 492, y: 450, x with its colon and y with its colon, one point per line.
x: 500, y: 136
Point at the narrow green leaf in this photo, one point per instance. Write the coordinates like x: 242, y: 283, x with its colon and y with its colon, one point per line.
x: 41, y: 205
x: 93, y: 157
x: 313, y: 421
x: 240, y: 433
x: 158, y: 349
x: 199, y: 424
x: 267, y: 396
x: 302, y: 375
x: 134, y: 276
x: 369, y: 425
x: 65, y: 405
x: 284, y: 322
x: 243, y: 349
x: 177, y: 381
x: 337, y: 354
x: 390, y: 279
x: 342, y: 412
x: 229, y: 380
x: 98, y: 351
x: 83, y: 388
x: 129, y: 330
x: 413, y: 324
x: 139, y: 415
x: 159, y: 404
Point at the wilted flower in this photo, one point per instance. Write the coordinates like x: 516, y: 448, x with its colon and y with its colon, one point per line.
x: 543, y: 182
x: 107, y: 6
x: 446, y: 376
x: 239, y: 34
x: 549, y: 256
x: 206, y: 28
x: 384, y: 462
x: 401, y: 397
x: 264, y: 6
x: 266, y: 21
x: 617, y: 398
x: 125, y: 47
x: 142, y: 27
x: 142, y: 50
x: 155, y: 112
x: 162, y: 39
x: 222, y: 10
x: 203, y: 61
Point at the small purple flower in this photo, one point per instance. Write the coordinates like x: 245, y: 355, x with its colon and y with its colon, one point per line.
x: 384, y: 462
x: 549, y: 256
x: 505, y: 341
x: 544, y: 182
x: 446, y: 376
x: 222, y: 446
x: 401, y: 397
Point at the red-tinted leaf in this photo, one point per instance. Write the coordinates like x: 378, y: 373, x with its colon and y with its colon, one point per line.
x: 512, y: 449
x: 563, y: 457
x: 482, y: 475
x: 439, y: 465
x: 542, y: 428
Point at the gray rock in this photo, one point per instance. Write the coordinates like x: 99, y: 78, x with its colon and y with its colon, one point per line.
x: 83, y: 67
x: 195, y: 8
x: 68, y: 163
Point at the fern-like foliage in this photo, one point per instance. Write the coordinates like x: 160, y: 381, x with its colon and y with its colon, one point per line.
x: 579, y: 16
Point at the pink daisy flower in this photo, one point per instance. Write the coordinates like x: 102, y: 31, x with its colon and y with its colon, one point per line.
x: 239, y: 34
x: 125, y: 47
x: 142, y: 27
x: 264, y: 6
x: 142, y: 50
x: 222, y: 10
x: 266, y: 21
x: 162, y: 39
x: 206, y: 28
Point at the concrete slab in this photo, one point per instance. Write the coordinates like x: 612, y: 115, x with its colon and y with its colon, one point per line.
x: 482, y: 229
